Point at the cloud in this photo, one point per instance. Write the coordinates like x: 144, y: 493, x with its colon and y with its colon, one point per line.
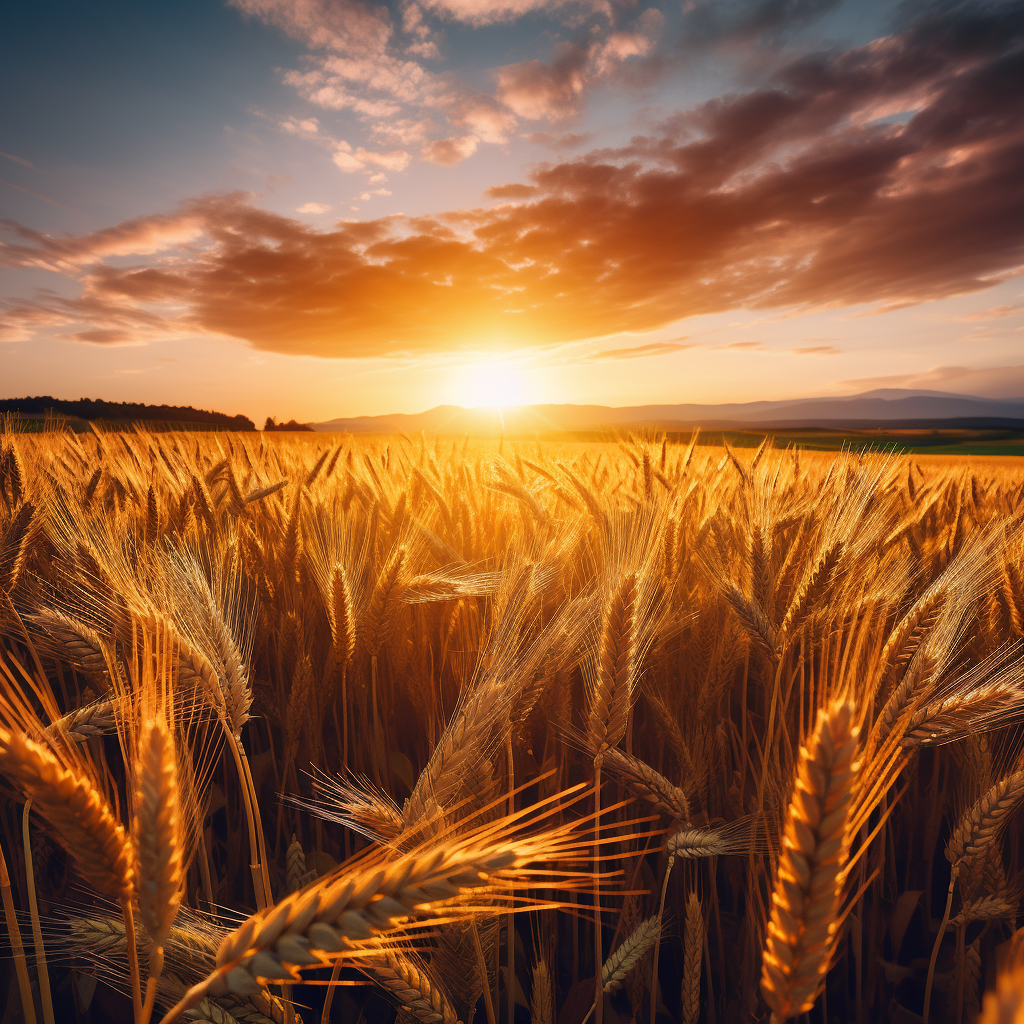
x: 360, y: 61
x: 345, y: 26
x: 36, y: 195
x: 782, y: 198
x: 570, y: 140
x: 657, y: 348
x: 18, y: 160
x: 744, y: 346
x: 487, y: 12
x: 707, y: 21
x: 515, y: 190
x: 536, y: 90
x: 480, y: 114
x: 992, y: 313
x: 817, y: 350
x: 106, y: 337
x: 449, y: 152
x: 313, y: 208
x: 350, y: 160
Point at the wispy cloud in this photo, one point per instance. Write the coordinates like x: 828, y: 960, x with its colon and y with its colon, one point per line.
x: 35, y: 195
x: 364, y: 62
x: 992, y: 313
x: 19, y: 160
x: 657, y: 348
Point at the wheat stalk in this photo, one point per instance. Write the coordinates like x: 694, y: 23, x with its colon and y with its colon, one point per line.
x: 348, y: 908
x: 693, y: 950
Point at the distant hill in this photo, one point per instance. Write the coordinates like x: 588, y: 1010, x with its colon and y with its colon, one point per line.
x: 123, y: 412
x: 884, y: 407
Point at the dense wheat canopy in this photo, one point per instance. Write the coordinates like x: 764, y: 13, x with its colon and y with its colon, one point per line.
x: 412, y: 715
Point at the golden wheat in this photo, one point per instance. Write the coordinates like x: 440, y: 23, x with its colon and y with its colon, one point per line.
x: 408, y: 638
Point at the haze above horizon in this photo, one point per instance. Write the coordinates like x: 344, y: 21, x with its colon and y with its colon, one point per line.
x: 316, y: 209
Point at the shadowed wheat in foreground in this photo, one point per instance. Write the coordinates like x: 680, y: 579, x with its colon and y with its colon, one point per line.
x: 322, y: 729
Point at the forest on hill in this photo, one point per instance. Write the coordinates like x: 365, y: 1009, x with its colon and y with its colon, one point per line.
x: 91, y: 409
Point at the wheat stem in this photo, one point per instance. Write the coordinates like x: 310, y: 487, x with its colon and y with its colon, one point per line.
x: 657, y: 942
x: 133, y: 959
x: 42, y: 970
x: 17, y: 946
x: 935, y: 947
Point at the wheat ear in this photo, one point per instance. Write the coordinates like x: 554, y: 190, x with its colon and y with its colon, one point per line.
x: 981, y: 823
x: 628, y: 955
x: 609, y: 707
x: 379, y: 621
x: 693, y: 951
x: 647, y: 783
x: 626, y: 958
x: 82, y: 724
x: 295, y: 864
x: 803, y: 927
x: 349, y: 908
x: 413, y: 988
x: 977, y: 831
x: 157, y: 828
x: 542, y: 996
x: 75, y: 812
x: 342, y: 619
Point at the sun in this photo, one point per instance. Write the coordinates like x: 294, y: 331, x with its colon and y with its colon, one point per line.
x: 492, y: 385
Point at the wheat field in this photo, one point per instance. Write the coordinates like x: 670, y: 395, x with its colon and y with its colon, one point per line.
x: 331, y: 729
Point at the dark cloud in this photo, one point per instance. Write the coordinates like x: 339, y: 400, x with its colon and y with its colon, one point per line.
x: 817, y: 350
x: 570, y: 140
x: 708, y: 20
x: 803, y: 194
x: 104, y: 336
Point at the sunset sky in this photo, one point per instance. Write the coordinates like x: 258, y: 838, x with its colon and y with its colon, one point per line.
x: 321, y: 208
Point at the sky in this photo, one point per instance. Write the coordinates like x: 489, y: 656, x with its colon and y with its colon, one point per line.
x: 321, y: 208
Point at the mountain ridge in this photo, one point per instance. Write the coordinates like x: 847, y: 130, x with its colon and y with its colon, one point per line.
x: 880, y: 406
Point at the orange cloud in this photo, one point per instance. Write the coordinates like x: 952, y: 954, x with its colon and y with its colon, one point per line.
x: 449, y: 152
x: 778, y: 199
x: 514, y: 190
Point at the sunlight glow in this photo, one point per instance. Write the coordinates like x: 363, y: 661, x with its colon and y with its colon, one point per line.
x: 492, y: 385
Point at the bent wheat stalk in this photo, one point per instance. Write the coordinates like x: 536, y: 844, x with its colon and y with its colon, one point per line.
x: 347, y: 908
